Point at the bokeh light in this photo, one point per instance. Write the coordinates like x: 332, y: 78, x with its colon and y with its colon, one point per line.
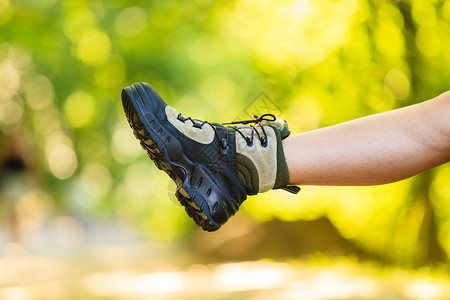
x: 39, y: 93
x: 131, y: 21
x: 61, y: 158
x: 80, y: 108
x: 124, y: 148
x: 10, y: 80
x: 94, y: 47
x: 78, y: 21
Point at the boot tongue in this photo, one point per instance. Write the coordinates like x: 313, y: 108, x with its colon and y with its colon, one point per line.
x: 282, y: 126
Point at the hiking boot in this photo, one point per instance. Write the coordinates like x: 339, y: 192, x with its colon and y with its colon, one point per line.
x: 214, y: 167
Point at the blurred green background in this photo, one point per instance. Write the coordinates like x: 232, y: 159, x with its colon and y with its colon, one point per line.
x: 76, y: 189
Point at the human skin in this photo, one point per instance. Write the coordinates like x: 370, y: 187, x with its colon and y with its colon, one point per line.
x: 376, y: 149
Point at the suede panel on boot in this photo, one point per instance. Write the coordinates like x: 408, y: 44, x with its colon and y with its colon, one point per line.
x: 204, y: 135
x: 263, y: 158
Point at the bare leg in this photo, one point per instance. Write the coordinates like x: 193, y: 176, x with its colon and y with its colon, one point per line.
x: 376, y: 149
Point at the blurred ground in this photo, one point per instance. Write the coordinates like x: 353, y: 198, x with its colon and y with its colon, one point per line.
x: 113, y: 264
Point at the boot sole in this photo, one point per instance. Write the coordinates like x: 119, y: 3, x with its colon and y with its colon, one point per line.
x: 196, y: 187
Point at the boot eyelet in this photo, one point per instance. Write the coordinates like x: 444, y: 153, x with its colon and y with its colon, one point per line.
x: 181, y: 118
x: 249, y: 141
x: 224, y: 146
x: 263, y: 141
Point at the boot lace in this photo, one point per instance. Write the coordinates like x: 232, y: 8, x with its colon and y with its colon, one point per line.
x: 224, y: 146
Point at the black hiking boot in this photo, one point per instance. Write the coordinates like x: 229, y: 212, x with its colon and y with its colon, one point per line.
x: 214, y: 167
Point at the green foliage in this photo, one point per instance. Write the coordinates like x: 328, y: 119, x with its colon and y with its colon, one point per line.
x: 64, y: 63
